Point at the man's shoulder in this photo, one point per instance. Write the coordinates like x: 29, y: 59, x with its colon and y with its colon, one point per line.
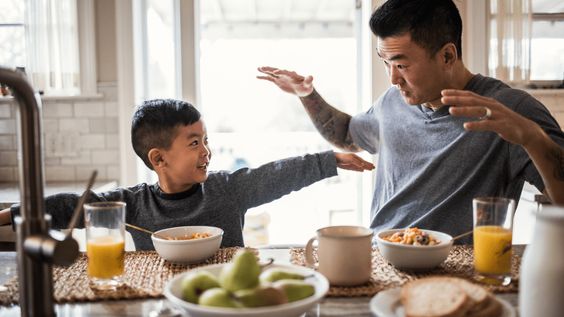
x: 500, y: 91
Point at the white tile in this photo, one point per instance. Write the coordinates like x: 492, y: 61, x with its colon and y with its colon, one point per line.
x: 111, y: 109
x: 113, y: 172
x: 51, y: 160
x: 92, y: 141
x: 5, y: 111
x: 105, y: 125
x: 7, y: 143
x: 8, y: 158
x: 50, y: 125
x: 53, y: 173
x: 82, y: 158
x: 7, y: 126
x: 58, y: 110
x: 112, y: 141
x: 84, y: 172
x: 73, y: 125
x: 105, y: 157
x: 7, y: 174
x: 88, y: 109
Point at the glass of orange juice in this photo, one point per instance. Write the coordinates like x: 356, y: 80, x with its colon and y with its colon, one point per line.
x: 105, y: 243
x: 493, y: 225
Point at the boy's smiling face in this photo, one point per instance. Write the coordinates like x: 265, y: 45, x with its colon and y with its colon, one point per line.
x: 186, y: 162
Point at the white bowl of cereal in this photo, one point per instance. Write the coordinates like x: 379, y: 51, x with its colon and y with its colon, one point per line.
x: 413, y: 248
x: 187, y: 244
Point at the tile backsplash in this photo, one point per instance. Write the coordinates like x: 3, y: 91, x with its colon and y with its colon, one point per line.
x: 79, y: 135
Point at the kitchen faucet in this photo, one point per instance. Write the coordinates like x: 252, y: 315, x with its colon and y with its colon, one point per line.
x: 37, y: 250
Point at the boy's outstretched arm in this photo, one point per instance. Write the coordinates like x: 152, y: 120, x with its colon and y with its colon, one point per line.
x: 5, y: 217
x: 351, y: 161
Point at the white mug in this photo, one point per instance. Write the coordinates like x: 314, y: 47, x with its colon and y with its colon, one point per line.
x: 344, y: 254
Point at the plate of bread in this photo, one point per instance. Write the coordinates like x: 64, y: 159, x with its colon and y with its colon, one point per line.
x: 439, y: 296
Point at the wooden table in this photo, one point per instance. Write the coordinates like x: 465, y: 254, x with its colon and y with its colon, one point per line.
x: 332, y: 306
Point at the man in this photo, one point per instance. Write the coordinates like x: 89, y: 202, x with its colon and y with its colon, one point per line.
x: 430, y: 167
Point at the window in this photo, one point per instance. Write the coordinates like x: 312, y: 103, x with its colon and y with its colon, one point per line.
x: 547, y: 40
x: 12, y: 30
x: 251, y: 122
x: 527, y: 41
x: 41, y: 36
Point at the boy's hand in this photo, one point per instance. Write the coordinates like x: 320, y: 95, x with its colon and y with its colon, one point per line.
x: 350, y: 161
x: 5, y: 217
x: 288, y: 81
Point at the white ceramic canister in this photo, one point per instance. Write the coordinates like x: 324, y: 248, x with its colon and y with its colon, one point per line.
x: 541, y: 285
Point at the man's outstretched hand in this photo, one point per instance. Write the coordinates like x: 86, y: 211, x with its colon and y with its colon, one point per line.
x: 352, y: 162
x: 288, y: 81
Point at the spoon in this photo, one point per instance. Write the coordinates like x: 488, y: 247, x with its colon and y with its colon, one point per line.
x: 158, y: 235
x: 462, y: 235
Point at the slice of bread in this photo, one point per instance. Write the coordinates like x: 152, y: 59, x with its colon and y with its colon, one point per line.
x: 435, y: 297
x: 491, y: 308
x: 480, y: 296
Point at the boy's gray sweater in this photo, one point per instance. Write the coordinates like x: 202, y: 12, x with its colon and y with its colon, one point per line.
x: 221, y: 201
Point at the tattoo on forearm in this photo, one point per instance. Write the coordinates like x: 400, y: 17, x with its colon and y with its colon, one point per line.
x: 556, y: 157
x: 330, y: 122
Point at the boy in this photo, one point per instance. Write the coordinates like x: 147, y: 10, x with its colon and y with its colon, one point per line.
x: 171, y: 139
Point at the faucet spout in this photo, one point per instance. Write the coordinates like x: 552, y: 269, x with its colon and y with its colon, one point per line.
x: 32, y: 226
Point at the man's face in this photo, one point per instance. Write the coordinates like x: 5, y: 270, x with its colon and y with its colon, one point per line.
x: 418, y: 76
x: 188, y: 157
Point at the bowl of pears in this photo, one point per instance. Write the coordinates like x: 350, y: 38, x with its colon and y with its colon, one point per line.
x: 245, y: 287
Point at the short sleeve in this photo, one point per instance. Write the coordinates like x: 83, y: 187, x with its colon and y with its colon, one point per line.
x: 364, y: 130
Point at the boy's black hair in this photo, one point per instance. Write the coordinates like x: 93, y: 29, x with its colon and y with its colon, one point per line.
x: 431, y: 23
x: 155, y: 122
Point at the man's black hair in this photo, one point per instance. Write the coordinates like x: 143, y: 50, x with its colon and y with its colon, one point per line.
x: 431, y: 23
x: 155, y: 122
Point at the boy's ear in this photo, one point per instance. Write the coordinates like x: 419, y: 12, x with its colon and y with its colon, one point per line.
x: 156, y: 158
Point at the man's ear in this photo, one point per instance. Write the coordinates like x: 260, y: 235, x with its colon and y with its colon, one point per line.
x: 156, y: 158
x: 449, y: 53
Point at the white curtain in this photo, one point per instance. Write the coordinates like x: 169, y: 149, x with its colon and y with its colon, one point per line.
x: 510, y: 40
x: 52, y: 46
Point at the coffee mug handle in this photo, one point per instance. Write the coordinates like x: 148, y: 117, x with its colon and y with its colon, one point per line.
x: 310, y: 261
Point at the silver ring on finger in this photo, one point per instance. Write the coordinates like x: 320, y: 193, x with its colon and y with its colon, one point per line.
x: 488, y: 114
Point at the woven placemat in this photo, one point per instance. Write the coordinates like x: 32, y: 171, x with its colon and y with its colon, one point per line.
x: 460, y: 263
x: 146, y: 274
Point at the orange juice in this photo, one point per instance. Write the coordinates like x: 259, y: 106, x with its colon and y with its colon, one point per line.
x: 492, y: 250
x: 105, y: 257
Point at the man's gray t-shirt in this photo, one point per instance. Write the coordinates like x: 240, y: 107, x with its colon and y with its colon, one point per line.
x: 221, y: 201
x: 430, y: 168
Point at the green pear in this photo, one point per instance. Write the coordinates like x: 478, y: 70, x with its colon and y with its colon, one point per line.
x: 274, y: 274
x: 294, y: 289
x: 261, y: 296
x: 243, y: 272
x: 218, y: 297
x: 194, y: 284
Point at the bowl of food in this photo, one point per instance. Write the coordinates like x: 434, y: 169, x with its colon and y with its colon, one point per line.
x: 242, y: 288
x: 413, y: 248
x: 187, y: 244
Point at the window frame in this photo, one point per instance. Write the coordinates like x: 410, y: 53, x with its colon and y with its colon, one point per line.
x: 86, y: 49
x: 542, y: 16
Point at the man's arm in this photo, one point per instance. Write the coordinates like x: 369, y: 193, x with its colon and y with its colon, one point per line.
x: 5, y: 217
x: 547, y: 155
x: 330, y: 122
